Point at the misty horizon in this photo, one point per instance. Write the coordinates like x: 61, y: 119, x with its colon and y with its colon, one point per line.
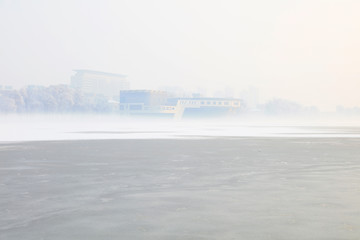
x: 304, y: 51
x: 249, y: 96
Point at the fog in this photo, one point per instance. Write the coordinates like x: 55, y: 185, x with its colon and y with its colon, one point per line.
x: 41, y: 127
x: 179, y: 119
x: 305, y: 51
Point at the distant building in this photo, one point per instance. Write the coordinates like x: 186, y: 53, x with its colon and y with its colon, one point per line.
x: 145, y: 102
x: 102, y: 83
x: 157, y: 103
x: 207, y: 107
x: 251, y: 98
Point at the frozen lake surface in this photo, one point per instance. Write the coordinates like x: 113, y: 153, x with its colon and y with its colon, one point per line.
x: 68, y: 127
x: 195, y: 181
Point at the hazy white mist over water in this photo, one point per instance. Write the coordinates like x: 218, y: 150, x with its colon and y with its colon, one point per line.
x: 72, y: 127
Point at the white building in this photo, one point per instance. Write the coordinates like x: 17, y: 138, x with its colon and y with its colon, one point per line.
x: 207, y: 107
x: 95, y: 82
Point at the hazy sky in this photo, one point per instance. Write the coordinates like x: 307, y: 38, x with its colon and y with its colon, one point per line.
x: 306, y: 50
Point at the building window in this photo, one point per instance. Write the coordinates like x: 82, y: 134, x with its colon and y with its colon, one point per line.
x: 135, y: 107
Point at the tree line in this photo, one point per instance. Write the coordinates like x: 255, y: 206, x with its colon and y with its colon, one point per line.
x: 53, y: 99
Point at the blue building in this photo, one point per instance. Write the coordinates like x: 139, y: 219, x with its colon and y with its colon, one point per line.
x: 145, y: 102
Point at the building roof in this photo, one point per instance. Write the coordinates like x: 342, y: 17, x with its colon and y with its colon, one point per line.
x: 99, y: 72
x: 211, y: 99
x: 143, y: 91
